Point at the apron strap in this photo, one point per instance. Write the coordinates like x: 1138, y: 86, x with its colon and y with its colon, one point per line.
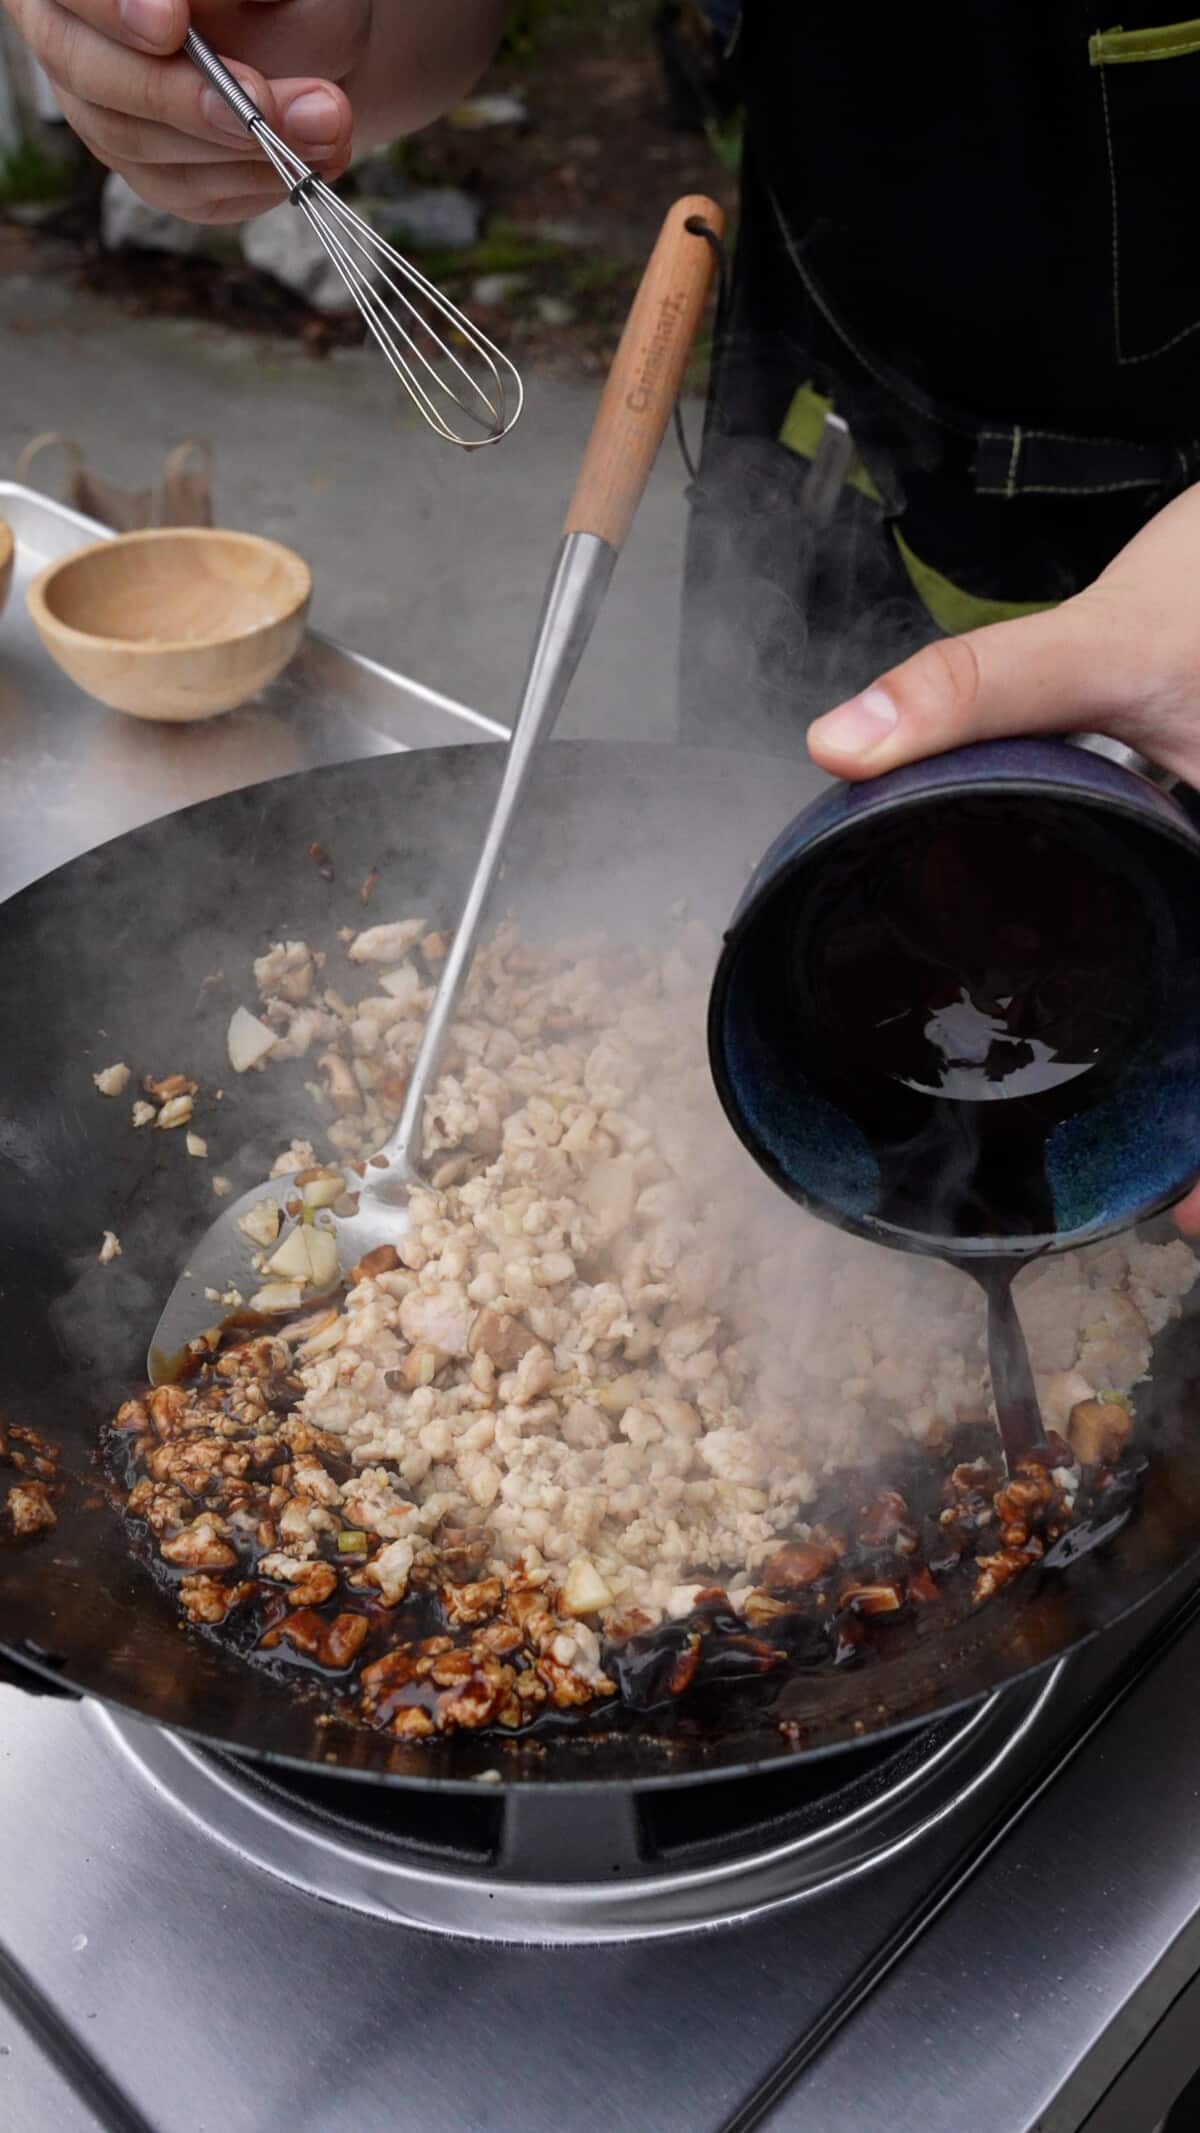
x: 1028, y: 462
x: 1008, y: 460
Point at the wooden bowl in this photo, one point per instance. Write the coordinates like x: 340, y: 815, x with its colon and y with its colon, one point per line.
x: 178, y: 623
x: 8, y: 550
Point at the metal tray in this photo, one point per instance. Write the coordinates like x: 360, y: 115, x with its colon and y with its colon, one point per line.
x: 73, y: 774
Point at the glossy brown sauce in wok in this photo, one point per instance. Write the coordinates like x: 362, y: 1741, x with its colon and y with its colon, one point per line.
x: 892, y: 1557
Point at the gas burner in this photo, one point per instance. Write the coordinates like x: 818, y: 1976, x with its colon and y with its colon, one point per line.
x: 587, y: 1864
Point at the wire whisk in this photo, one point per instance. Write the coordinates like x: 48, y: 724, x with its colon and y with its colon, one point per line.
x: 462, y: 371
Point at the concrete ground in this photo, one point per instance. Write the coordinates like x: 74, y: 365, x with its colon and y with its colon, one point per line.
x: 429, y: 559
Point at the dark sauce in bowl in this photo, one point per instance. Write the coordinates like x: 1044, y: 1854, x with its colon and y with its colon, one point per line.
x: 970, y: 992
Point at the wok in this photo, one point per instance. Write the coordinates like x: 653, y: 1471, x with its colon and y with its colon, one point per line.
x: 108, y: 958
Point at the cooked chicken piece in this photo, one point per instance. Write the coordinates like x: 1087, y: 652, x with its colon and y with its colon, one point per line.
x: 311, y: 1583
x: 341, y: 1086
x: 199, y: 1546
x: 1099, y: 1430
x: 209, y: 1600
x: 30, y: 1509
x: 169, y: 1087
x: 333, y: 1644
x: 439, y: 1318
x: 389, y: 1571
x: 466, y: 1604
x: 798, y: 1564
x: 113, y: 1080
x: 163, y: 1505
x: 386, y: 944
x: 299, y: 1156
x: 286, y: 972
x: 501, y: 1338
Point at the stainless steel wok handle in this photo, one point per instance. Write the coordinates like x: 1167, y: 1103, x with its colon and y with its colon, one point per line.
x: 1128, y: 758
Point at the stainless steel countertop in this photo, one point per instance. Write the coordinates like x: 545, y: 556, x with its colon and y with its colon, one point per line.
x: 73, y: 774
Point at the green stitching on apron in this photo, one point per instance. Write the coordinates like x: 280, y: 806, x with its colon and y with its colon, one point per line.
x: 1121, y: 48
x: 953, y: 610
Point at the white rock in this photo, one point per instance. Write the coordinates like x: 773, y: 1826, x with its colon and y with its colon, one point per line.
x: 439, y: 215
x: 283, y: 245
x: 555, y: 311
x: 492, y: 290
x: 424, y: 214
x: 128, y: 224
x: 477, y: 113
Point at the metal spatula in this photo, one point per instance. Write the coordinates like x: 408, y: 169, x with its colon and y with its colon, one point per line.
x: 634, y: 410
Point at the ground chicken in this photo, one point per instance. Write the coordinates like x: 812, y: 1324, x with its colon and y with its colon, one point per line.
x: 607, y: 1370
x: 604, y: 1333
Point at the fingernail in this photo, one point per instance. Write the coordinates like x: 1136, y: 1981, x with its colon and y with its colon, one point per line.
x: 314, y: 118
x: 861, y: 725
x: 152, y: 21
x: 218, y: 115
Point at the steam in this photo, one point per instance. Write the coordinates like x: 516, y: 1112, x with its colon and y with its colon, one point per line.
x: 831, y: 1346
x: 782, y: 618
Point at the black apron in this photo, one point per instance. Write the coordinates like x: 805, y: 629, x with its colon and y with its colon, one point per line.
x: 970, y: 228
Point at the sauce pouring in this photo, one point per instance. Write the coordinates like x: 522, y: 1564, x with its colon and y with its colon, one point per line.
x: 958, y: 1011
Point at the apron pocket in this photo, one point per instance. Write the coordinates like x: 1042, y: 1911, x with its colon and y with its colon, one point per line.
x: 1149, y: 89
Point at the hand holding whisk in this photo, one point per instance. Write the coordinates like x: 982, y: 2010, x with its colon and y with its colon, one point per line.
x: 445, y: 364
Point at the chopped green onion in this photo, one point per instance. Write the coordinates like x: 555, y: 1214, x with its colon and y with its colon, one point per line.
x: 351, y: 1543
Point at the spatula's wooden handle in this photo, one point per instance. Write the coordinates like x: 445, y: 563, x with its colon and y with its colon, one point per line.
x: 646, y: 375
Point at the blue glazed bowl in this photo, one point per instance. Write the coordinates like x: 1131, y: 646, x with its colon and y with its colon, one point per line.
x: 1131, y: 1152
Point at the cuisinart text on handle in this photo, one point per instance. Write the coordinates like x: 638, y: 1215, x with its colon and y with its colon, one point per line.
x: 638, y: 399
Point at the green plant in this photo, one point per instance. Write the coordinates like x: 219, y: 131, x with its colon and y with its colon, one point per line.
x: 530, y: 19
x: 409, y: 159
x: 501, y: 250
x: 28, y: 176
x: 587, y: 272
x: 725, y: 139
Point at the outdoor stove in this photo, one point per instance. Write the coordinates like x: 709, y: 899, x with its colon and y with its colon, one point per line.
x: 996, y: 1922
x: 993, y: 1922
x: 595, y: 1865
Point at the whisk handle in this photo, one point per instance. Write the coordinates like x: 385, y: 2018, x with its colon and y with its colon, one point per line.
x: 646, y: 374
x: 222, y: 80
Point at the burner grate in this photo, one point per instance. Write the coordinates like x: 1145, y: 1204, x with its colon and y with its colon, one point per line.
x: 556, y: 1864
